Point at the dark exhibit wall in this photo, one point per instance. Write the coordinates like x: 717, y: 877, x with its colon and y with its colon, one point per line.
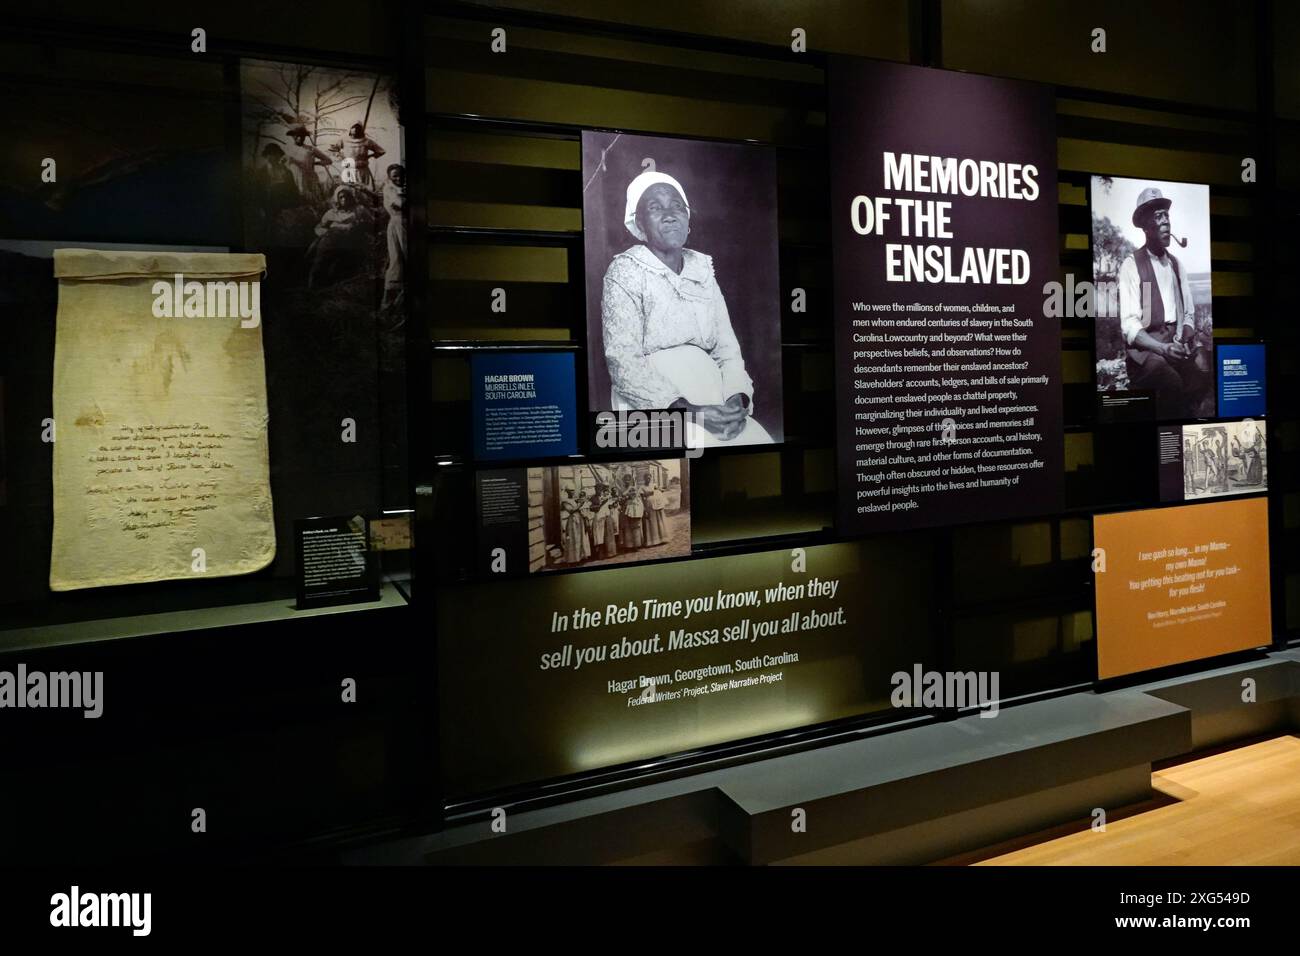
x: 139, y: 144
x: 1055, y: 43
x: 151, y: 476
x: 334, y: 320
x: 911, y: 462
x: 512, y: 208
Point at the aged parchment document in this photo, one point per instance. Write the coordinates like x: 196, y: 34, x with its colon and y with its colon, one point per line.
x: 160, y: 453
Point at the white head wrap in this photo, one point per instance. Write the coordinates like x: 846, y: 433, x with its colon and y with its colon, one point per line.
x: 636, y: 189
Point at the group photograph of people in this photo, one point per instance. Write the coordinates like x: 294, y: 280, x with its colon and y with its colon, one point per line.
x: 614, y: 513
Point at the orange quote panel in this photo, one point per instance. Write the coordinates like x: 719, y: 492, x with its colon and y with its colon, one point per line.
x: 1181, y: 584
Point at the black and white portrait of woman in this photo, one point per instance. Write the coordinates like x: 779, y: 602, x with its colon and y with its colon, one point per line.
x: 683, y: 295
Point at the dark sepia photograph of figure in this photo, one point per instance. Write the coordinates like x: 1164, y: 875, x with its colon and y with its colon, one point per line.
x: 324, y: 149
x: 324, y: 197
x: 593, y: 515
x: 1151, y: 270
x: 683, y: 291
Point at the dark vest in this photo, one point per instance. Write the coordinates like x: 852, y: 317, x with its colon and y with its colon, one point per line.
x: 1155, y: 316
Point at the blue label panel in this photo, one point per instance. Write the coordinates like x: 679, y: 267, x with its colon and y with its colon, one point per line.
x: 524, y: 405
x: 1241, y: 381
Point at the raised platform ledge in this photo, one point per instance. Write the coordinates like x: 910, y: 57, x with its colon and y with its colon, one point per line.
x: 911, y: 796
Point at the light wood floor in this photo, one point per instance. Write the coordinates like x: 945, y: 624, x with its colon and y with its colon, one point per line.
x: 1241, y: 807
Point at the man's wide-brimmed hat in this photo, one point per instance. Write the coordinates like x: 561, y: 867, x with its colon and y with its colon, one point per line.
x: 1149, y: 199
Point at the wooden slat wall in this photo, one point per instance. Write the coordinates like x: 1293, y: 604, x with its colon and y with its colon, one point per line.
x: 1284, y: 336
